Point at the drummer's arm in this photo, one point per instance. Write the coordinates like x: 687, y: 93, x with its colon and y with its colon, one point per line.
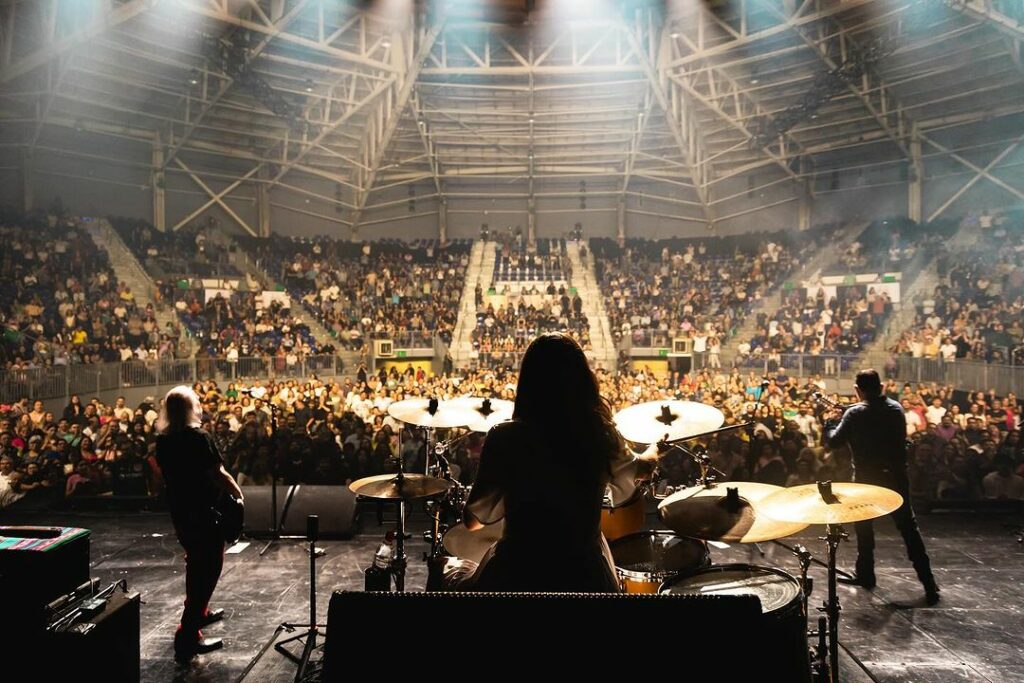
x: 628, y: 469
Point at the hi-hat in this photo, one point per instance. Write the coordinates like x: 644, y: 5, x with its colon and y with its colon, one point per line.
x: 831, y: 503
x: 666, y: 420
x: 489, y: 411
x: 713, y: 514
x: 429, y: 412
x: 393, y: 487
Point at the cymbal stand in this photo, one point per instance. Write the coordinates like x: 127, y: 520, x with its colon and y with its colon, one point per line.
x: 834, y: 535
x: 399, y: 559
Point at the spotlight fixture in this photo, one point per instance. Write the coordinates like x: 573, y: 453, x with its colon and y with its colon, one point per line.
x: 674, y: 35
x: 309, y: 85
x: 193, y: 77
x: 386, y: 43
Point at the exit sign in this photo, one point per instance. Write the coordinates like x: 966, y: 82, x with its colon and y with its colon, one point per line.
x: 663, y: 353
x: 401, y: 354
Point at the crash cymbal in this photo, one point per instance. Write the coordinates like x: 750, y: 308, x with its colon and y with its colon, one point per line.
x: 429, y: 412
x: 390, y: 487
x: 831, y: 503
x: 464, y: 544
x: 666, y: 420
x: 707, y: 513
x: 489, y: 411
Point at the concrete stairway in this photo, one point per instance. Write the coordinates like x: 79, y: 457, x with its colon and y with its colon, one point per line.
x: 773, y: 300
x: 584, y: 279
x: 481, y: 265
x: 128, y: 270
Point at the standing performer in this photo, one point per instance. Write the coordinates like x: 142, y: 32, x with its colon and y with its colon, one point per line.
x: 875, y: 429
x: 195, y: 478
x: 546, y: 472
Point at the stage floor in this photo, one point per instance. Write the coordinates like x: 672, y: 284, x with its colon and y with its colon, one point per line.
x: 972, y: 635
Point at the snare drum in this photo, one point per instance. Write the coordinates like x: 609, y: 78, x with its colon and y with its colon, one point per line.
x: 624, y: 519
x: 645, y: 560
x: 784, y: 628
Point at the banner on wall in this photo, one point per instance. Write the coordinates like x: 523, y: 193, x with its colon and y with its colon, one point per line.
x: 268, y: 297
x: 210, y: 293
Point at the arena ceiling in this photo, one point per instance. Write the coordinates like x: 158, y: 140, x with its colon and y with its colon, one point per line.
x: 674, y: 96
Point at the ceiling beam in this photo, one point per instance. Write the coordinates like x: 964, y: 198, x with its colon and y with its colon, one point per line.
x: 381, y: 127
x: 105, y: 16
x: 220, y: 14
x: 676, y: 109
x: 227, y: 82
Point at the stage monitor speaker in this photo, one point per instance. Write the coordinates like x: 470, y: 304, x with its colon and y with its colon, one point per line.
x: 102, y: 647
x: 258, y: 518
x: 39, y: 564
x: 335, y: 505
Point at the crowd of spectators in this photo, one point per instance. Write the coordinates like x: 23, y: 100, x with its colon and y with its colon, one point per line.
x: 964, y: 447
x: 383, y: 289
x: 237, y: 326
x: 892, y: 244
x: 701, y: 289
x: 810, y: 322
x: 976, y: 312
x: 61, y: 302
x: 198, y: 249
x: 504, y: 330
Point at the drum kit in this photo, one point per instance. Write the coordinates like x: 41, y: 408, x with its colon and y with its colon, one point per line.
x: 673, y: 561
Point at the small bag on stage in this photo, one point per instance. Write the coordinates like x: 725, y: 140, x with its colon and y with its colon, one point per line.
x: 229, y: 513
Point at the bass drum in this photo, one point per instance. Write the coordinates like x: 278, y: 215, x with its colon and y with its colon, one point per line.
x: 784, y: 624
x: 645, y: 560
x: 625, y: 519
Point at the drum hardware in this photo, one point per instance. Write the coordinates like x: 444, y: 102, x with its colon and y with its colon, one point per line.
x: 646, y: 559
x: 832, y: 504
x: 401, y: 488
x: 655, y: 421
x: 728, y: 511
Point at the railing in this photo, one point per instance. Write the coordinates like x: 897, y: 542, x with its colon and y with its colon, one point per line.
x: 60, y: 381
x: 804, y: 365
x: 963, y: 374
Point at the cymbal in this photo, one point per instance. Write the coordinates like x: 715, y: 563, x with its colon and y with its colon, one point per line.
x: 425, y: 412
x: 706, y: 513
x: 472, y: 545
x: 666, y: 420
x: 489, y: 411
x: 851, y: 503
x: 389, y: 487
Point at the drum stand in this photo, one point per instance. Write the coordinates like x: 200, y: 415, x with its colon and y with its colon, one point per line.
x: 834, y: 535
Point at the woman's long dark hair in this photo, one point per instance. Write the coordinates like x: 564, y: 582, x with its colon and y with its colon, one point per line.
x: 559, y: 394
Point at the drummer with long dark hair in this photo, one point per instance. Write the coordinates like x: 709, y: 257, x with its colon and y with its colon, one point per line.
x: 195, y: 478
x: 546, y: 472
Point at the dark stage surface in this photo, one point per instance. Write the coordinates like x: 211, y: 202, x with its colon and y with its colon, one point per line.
x: 972, y: 635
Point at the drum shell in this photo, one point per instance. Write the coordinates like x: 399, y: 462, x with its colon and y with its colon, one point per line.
x: 625, y: 519
x: 693, y: 556
x: 782, y: 630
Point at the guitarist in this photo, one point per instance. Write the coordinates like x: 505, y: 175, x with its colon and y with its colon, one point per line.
x: 196, y: 482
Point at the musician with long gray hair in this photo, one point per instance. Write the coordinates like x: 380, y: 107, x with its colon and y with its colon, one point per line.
x: 195, y: 479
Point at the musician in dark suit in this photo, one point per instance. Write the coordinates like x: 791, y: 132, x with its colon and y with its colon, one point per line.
x: 195, y: 480
x: 876, y: 431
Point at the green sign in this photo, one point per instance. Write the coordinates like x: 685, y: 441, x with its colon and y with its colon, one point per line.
x: 663, y: 353
x: 850, y: 280
x: 401, y: 354
x: 572, y: 291
x: 788, y: 285
x: 889, y: 278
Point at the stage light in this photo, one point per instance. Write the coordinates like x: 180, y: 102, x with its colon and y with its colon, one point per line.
x: 386, y: 43
x: 309, y: 85
x: 193, y: 77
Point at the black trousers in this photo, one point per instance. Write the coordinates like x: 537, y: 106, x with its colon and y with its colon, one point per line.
x: 906, y: 523
x: 204, y: 559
